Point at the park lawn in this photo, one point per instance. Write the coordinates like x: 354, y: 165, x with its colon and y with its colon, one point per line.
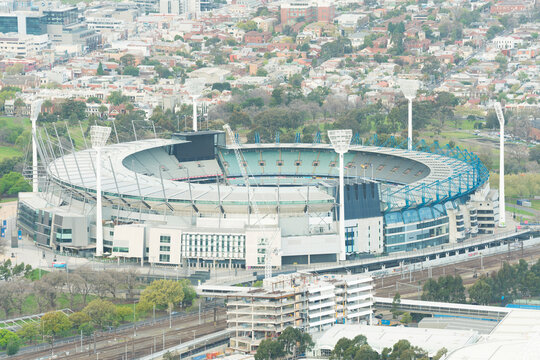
x: 10, y: 122
x: 7, y: 152
x: 512, y: 209
x: 535, y: 204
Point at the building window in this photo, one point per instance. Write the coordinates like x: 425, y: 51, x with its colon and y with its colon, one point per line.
x: 120, y: 249
x: 164, y: 248
x: 164, y: 258
x: 165, y: 239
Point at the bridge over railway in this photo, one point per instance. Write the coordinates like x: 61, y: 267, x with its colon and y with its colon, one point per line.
x: 441, y: 308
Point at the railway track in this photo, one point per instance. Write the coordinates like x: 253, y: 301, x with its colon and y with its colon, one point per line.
x: 123, y: 345
x: 409, y: 283
x: 130, y: 348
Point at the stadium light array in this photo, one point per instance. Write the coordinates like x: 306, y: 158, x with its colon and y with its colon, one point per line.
x: 409, y: 88
x: 341, y: 140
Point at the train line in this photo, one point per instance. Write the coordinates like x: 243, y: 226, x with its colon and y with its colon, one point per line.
x: 409, y: 283
x: 124, y: 345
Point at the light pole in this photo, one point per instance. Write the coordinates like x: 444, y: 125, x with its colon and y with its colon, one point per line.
x: 35, y: 110
x: 341, y: 140
x: 409, y: 88
x: 194, y: 114
x: 99, y: 136
x: 502, y: 204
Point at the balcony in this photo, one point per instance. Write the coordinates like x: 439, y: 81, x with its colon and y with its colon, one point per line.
x: 321, y: 313
x: 359, y: 289
x: 321, y: 305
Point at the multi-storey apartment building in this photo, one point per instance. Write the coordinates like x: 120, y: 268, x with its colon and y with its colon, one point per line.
x: 311, y: 303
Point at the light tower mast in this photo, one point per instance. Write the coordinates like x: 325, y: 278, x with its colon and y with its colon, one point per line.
x: 269, y: 241
x: 99, y: 136
x: 409, y: 88
x: 502, y: 203
x: 341, y: 140
x: 35, y: 110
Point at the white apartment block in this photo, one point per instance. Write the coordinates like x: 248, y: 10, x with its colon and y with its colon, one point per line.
x: 507, y: 42
x: 302, y: 300
x: 104, y: 23
x: 19, y: 45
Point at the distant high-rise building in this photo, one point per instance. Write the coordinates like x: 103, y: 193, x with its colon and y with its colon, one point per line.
x: 179, y: 7
x: 24, y: 23
x: 306, y: 11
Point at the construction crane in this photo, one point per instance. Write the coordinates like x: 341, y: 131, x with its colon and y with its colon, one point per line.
x: 502, y: 204
x: 251, y: 204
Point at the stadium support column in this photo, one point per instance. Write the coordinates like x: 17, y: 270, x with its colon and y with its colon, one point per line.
x: 35, y: 110
x: 99, y: 136
x: 409, y: 129
x: 341, y: 140
x: 194, y: 114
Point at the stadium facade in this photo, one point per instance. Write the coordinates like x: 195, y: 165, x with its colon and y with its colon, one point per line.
x: 183, y: 200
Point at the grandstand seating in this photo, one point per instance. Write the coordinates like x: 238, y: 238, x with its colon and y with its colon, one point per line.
x: 306, y: 163
x: 150, y: 162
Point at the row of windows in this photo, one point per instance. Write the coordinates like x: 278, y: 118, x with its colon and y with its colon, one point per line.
x: 427, y: 224
x: 401, y: 238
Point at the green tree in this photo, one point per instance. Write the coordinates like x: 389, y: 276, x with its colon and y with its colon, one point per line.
x: 365, y: 352
x: 13, y: 183
x: 124, y: 313
x: 29, y: 332
x: 534, y: 154
x: 295, y: 341
x: 406, y: 318
x: 55, y: 324
x: 101, y: 312
x: 261, y: 72
x: 493, y: 31
x: 403, y: 350
x: 127, y: 60
x: 8, y: 337
x: 396, y: 301
x: 189, y: 292
x: 269, y: 350
x: 131, y: 71
x: 160, y: 293
x: 443, y: 351
x: 100, y: 70
x: 13, y: 346
x: 79, y: 318
x: 72, y: 110
x: 480, y: 292
x: 249, y: 25
x: 116, y: 98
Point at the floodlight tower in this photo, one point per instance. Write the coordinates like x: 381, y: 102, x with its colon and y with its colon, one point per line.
x: 341, y: 139
x: 99, y: 136
x: 409, y: 88
x: 34, y: 113
x: 194, y: 114
x: 502, y: 204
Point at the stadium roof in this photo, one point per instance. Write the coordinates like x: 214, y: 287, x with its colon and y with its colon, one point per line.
x: 123, y: 186
x: 77, y: 172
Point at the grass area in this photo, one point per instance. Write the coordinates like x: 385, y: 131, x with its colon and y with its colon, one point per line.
x: 9, y: 199
x: 512, y: 209
x: 34, y: 274
x: 7, y: 152
x: 77, y: 136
